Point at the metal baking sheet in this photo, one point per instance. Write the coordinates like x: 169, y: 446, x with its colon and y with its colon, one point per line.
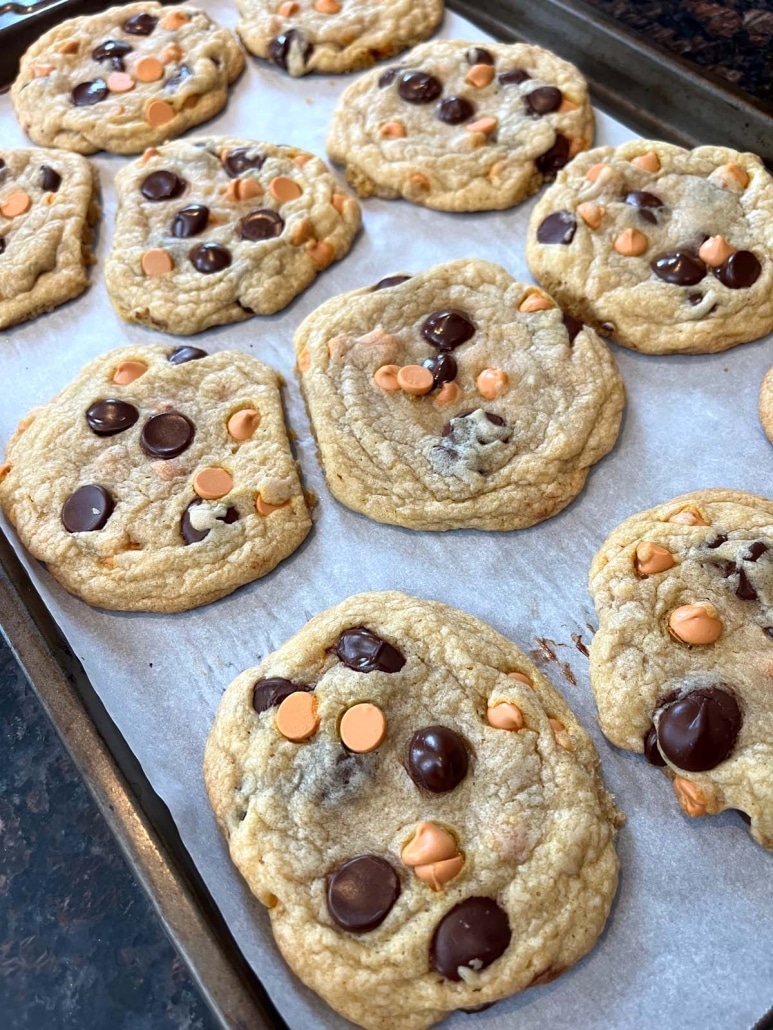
x: 694, y: 913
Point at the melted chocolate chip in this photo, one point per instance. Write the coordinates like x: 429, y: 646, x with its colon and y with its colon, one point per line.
x: 745, y: 591
x: 262, y: 224
x: 162, y: 185
x: 190, y: 221
x: 191, y: 535
x: 514, y: 77
x: 448, y: 329
x: 86, y: 94
x: 694, y: 298
x: 559, y: 227
x: 361, y: 893
x: 571, y: 325
x: 184, y: 353
x: 454, y: 110
x: 437, y: 759
x: 239, y: 160
x: 543, y: 100
x: 387, y: 77
x: 651, y: 752
x: 471, y: 936
x: 719, y: 539
x: 270, y: 693
x: 739, y: 271
x: 50, y: 180
x: 391, y: 280
x: 87, y: 509
x: 443, y: 368
x: 140, y: 24
x: 646, y: 203
x: 755, y: 551
x: 364, y: 651
x: 182, y: 73
x: 208, y: 258
x: 167, y: 434
x: 108, y: 417
x: 699, y: 731
x: 419, y: 87
x: 681, y: 268
x: 496, y: 420
x: 279, y: 47
x: 479, y: 55
x: 558, y: 155
x: 113, y: 51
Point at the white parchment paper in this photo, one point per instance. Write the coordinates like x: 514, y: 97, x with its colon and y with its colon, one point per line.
x: 689, y: 941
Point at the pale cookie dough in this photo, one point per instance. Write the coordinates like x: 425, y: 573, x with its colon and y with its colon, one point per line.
x: 159, y: 480
x: 766, y: 404
x: 456, y: 398
x: 681, y: 663
x: 417, y: 807
x: 48, y: 208
x: 460, y: 127
x: 332, y: 36
x: 664, y: 249
x: 214, y: 230
x: 125, y: 79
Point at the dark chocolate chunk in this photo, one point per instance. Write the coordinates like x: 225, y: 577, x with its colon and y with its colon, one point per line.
x: 190, y: 221
x: 699, y: 731
x: 185, y: 353
x: 496, y: 420
x: 87, y: 509
x: 391, y: 280
x: 514, y: 77
x: 86, y: 94
x: 191, y: 535
x: 454, y: 110
x: 361, y: 893
x: 558, y: 155
x: 262, y: 224
x: 140, y: 24
x: 739, y: 271
x: 167, y: 434
x: 162, y: 185
x: 718, y: 540
x: 208, y: 258
x: 179, y: 77
x: 51, y: 180
x: 240, y: 160
x: 419, y: 87
x: 543, y: 100
x: 437, y: 759
x: 113, y: 51
x: 651, y: 752
x: 646, y: 203
x: 2, y: 244
x: 682, y: 268
x: 108, y: 417
x: 279, y: 47
x: 387, y: 77
x: 364, y: 651
x: 271, y: 692
x: 745, y: 590
x: 571, y: 325
x: 559, y: 227
x: 479, y: 55
x: 471, y: 936
x: 694, y: 298
x: 442, y: 366
x: 448, y: 329
x: 755, y: 551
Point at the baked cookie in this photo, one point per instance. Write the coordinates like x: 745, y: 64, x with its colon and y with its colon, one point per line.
x: 215, y: 230
x: 125, y: 79
x: 766, y: 404
x: 681, y: 663
x: 48, y: 207
x: 417, y: 807
x: 458, y: 127
x: 159, y: 480
x: 666, y: 250
x: 332, y: 36
x: 456, y: 398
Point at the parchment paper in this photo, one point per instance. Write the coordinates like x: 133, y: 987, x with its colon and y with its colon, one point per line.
x: 688, y: 943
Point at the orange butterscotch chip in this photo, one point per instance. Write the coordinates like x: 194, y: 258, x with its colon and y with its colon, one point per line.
x: 566, y: 106
x: 591, y: 213
x: 4, y: 470
x: 560, y: 733
x: 243, y: 189
x: 504, y: 715
x: 264, y: 508
x: 304, y: 360
x: 483, y: 125
x: 159, y: 112
x: 149, y: 69
x: 242, y: 424
x: 689, y: 517
x: 521, y: 678
x: 449, y: 393
x: 480, y: 75
x: 536, y: 302
x: 577, y: 144
x: 433, y: 854
x: 392, y: 130
x: 171, y: 52
x: 327, y: 6
x: 595, y: 171
x: 650, y: 161
x: 437, y: 874
x: 715, y: 251
x: 631, y: 243
x: 652, y: 558
x: 338, y: 200
x: 690, y: 797
x: 15, y: 204
x: 321, y: 252
x: 175, y: 20
x: 42, y: 71
x: 415, y: 379
x: 297, y: 718
x: 147, y: 154
x: 212, y: 483
x: 417, y: 181
x: 492, y: 382
x: 303, y: 232
x: 288, y: 9
x: 363, y: 728
x: 120, y: 82
x: 385, y: 378
x: 127, y: 371
x: 695, y: 623
x: 191, y: 101
x: 157, y: 262
x: 302, y: 159
x: 283, y: 189
x: 735, y: 172
x: 70, y: 46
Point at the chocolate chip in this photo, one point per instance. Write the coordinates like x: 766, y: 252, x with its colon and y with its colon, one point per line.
x: 50, y: 179
x: 419, y: 87
x: 86, y: 94
x: 87, y: 509
x: 279, y: 47
x: 191, y: 535
x: 471, y: 936
x: 755, y: 551
x: 437, y: 759
x: 571, y: 325
x: 454, y: 110
x: 162, y: 185
x: 558, y: 155
x: 543, y: 100
x: 108, y: 417
x: 646, y: 203
x: 496, y: 420
x: 2, y: 244
x: 271, y: 692
x: 651, y: 752
x: 694, y: 298
x: 387, y: 77
x: 361, y: 893
x: 364, y: 651
x: 166, y: 435
x: 745, y: 591
x: 113, y: 51
x: 179, y: 77
x: 443, y: 368
x: 210, y: 257
x: 239, y: 160
x: 559, y: 227
x: 391, y: 280
x: 719, y: 539
x: 699, y: 731
x: 681, y: 268
x: 184, y: 353
x: 190, y: 221
x: 768, y: 630
x: 514, y: 77
x: 262, y: 224
x: 739, y: 271
x: 140, y: 24
x: 478, y: 55
x: 448, y: 329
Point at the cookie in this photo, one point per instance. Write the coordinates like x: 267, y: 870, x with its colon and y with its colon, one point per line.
x: 125, y: 79
x: 666, y: 250
x: 766, y: 404
x: 215, y: 230
x: 331, y: 36
x: 159, y: 480
x: 48, y: 207
x: 459, y: 127
x: 456, y: 398
x: 681, y: 663
x: 417, y: 807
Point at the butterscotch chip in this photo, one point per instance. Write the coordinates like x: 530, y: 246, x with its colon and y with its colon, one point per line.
x: 493, y: 381
x: 127, y: 371
x: 415, y: 379
x: 157, y: 262
x: 652, y: 558
x: 159, y: 112
x: 695, y: 623
x: 536, y: 302
x: 363, y: 728
x: 148, y: 69
x: 297, y: 718
x: 504, y: 715
x: 212, y: 483
x: 242, y: 424
x: 15, y: 204
x: 480, y: 75
x: 649, y: 161
x: 283, y: 188
x: 119, y: 82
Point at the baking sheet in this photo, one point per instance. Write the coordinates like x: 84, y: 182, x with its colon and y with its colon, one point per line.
x: 688, y: 941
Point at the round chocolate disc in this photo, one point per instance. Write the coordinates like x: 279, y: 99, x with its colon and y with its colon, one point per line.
x: 361, y: 893
x: 191, y: 535
x: 190, y: 221
x: 111, y: 50
x: 680, y: 268
x: 87, y: 509
x: 210, y: 257
x: 166, y: 435
x: 239, y: 160
x: 271, y: 692
x: 543, y: 100
x: 391, y: 280
x: 559, y: 227
x: 140, y: 24
x: 555, y: 158
x: 471, y: 936
x: 514, y: 77
x: 162, y: 185
x: 108, y: 417
x: 647, y: 204
x: 448, y: 329
x: 279, y: 47
x: 699, y: 731
x: 437, y: 759
x: 184, y: 353
x: 741, y: 270
x: 454, y: 110
x: 651, y: 752
x: 86, y: 94
x: 50, y: 180
x: 478, y: 55
x: 262, y: 224
x: 443, y: 368
x: 364, y: 651
x: 419, y: 87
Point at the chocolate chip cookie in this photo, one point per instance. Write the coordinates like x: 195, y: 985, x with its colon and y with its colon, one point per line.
x: 48, y: 207
x: 766, y: 404
x: 417, y: 807
x: 681, y: 662
x: 664, y: 249
x: 334, y: 36
x: 159, y: 480
x: 215, y: 230
x: 125, y: 79
x: 458, y: 127
x: 456, y: 398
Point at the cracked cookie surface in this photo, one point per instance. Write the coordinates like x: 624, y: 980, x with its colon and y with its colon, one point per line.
x: 417, y: 807
x: 159, y: 480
